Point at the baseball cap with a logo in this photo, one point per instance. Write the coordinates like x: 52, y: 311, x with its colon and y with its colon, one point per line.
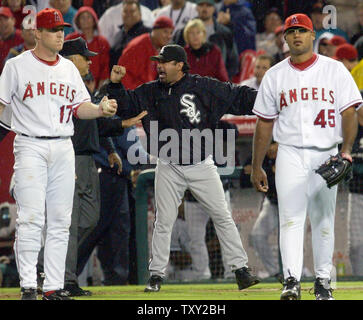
x: 6, y: 12
x: 50, y: 18
x: 171, y: 52
x: 298, y: 20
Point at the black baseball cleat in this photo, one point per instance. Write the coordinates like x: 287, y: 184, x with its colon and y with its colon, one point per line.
x: 154, y: 284
x: 74, y: 290
x: 291, y: 289
x: 245, y: 279
x: 28, y: 294
x: 56, y: 295
x: 322, y: 289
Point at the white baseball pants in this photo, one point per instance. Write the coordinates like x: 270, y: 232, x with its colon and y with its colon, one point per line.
x: 44, y: 179
x: 300, y: 190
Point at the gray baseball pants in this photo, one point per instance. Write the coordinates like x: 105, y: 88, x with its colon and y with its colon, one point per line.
x: 204, y: 183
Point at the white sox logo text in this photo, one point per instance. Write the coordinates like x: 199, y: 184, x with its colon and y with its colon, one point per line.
x: 190, y: 109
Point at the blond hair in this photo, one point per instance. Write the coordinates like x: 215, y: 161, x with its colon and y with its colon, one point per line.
x: 195, y: 23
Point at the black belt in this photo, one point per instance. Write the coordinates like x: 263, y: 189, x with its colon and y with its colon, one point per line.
x: 41, y: 137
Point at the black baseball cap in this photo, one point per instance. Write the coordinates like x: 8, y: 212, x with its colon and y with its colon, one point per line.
x: 76, y: 46
x: 171, y: 52
x: 211, y: 2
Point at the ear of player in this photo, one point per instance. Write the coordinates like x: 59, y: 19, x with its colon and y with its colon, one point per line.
x: 107, y: 107
x: 335, y: 169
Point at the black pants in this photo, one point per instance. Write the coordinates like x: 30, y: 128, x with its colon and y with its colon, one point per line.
x: 111, y: 236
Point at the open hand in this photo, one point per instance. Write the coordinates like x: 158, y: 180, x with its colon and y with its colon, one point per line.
x: 132, y: 121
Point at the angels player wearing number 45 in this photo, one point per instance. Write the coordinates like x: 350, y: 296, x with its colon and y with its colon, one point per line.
x: 43, y: 90
x: 308, y: 103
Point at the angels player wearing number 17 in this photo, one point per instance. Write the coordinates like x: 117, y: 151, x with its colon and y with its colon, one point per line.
x: 43, y: 90
x: 308, y: 103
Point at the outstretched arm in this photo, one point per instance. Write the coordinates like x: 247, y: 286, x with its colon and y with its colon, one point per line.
x: 227, y: 98
x: 108, y: 127
x: 89, y: 110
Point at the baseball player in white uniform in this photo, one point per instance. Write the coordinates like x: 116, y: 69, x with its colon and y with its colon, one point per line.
x: 308, y: 103
x: 43, y: 90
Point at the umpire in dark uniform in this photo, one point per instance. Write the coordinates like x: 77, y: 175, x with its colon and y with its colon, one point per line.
x: 87, y: 138
x: 178, y: 103
x: 112, y: 234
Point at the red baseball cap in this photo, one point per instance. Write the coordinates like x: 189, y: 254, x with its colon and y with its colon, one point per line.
x: 298, y: 20
x: 163, y: 22
x: 6, y: 12
x: 337, y: 41
x: 346, y: 51
x: 50, y: 18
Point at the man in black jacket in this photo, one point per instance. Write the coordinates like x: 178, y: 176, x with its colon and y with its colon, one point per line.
x: 184, y: 108
x: 217, y: 33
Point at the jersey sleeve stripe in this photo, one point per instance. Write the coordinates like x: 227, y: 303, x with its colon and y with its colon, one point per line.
x: 360, y: 106
x: 78, y: 103
x: 350, y: 104
x: 76, y: 106
x: 264, y: 116
x: 4, y: 102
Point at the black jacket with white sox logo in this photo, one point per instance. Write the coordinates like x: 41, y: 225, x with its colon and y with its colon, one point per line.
x: 194, y: 102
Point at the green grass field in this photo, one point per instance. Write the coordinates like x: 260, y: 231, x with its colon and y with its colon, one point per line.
x: 211, y: 291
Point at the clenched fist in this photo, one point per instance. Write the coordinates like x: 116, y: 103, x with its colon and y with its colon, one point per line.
x: 117, y: 73
x: 107, y: 108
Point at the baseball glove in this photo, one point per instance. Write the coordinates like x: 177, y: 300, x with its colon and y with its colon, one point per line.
x: 335, y: 169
